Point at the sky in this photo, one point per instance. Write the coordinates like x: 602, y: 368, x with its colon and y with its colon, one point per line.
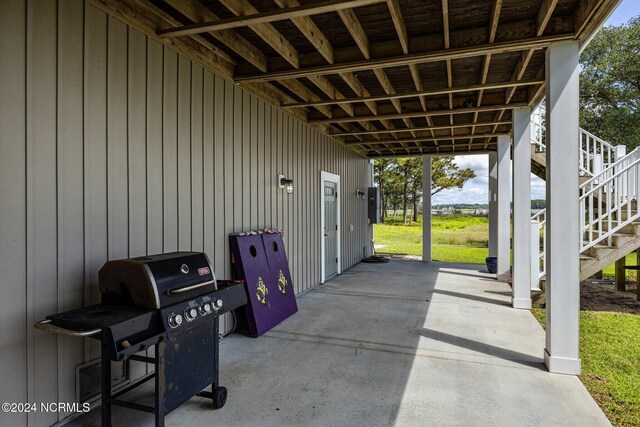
x: 476, y: 189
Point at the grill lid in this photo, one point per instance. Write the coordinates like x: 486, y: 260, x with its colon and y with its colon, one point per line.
x: 156, y: 281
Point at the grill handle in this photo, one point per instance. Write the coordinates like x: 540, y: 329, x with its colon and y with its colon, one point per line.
x: 46, y: 325
x: 176, y: 291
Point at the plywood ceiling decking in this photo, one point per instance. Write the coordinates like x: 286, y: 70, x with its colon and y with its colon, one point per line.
x: 386, y: 77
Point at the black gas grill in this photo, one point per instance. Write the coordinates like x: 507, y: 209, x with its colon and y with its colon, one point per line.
x: 169, y: 301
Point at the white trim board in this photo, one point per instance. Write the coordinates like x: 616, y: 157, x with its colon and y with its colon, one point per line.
x: 327, y: 176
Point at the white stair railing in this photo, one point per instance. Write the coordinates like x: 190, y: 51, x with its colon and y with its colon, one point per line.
x: 613, y: 177
x: 606, y: 201
x: 538, y: 260
x: 596, y: 154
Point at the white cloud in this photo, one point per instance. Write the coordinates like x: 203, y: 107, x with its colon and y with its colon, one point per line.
x: 476, y: 190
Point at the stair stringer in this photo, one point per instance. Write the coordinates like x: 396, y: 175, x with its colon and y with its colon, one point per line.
x: 589, y: 267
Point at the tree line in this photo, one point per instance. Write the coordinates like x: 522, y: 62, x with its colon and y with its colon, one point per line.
x: 400, y: 182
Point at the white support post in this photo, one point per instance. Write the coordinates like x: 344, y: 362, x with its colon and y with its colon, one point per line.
x: 563, y: 225
x: 535, y: 255
x: 521, y: 208
x: 504, y: 208
x: 493, y: 204
x: 426, y: 208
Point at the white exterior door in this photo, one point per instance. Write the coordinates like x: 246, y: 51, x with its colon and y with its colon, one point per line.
x: 330, y: 229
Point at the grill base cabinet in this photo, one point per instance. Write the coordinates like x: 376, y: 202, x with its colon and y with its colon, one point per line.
x: 171, y: 302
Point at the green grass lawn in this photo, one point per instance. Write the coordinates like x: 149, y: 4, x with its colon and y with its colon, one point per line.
x: 610, y: 356
x: 454, y: 238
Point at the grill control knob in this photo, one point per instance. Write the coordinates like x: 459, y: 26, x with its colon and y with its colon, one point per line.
x: 217, y: 304
x: 175, y: 320
x: 190, y: 314
x: 205, y: 308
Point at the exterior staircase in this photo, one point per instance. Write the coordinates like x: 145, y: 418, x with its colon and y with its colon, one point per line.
x: 609, y: 187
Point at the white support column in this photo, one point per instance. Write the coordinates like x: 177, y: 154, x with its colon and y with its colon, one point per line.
x: 504, y: 208
x: 535, y: 256
x: 521, y: 208
x: 426, y: 208
x: 563, y: 225
x: 493, y: 204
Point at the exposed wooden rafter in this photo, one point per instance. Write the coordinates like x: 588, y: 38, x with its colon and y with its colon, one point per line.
x: 463, y: 110
x: 417, y: 58
x: 195, y: 12
x: 421, y: 139
x: 486, y: 63
x: 266, y: 31
x: 422, y: 93
x: 258, y: 18
x: 422, y: 100
x: 311, y: 31
x: 426, y: 128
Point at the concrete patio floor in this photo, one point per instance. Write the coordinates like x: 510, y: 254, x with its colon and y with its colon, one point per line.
x: 403, y: 344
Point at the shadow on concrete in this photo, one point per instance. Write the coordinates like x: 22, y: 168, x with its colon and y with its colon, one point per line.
x: 484, y: 348
x: 460, y: 273
x: 471, y: 297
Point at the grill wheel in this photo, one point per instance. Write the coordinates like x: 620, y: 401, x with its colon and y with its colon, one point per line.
x: 220, y: 397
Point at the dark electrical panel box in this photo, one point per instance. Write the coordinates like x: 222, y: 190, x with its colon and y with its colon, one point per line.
x: 374, y: 205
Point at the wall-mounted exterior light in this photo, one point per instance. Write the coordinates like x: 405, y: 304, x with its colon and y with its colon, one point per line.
x: 285, y: 183
x: 359, y: 194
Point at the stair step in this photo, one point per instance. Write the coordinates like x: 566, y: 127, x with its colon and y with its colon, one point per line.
x: 586, y: 257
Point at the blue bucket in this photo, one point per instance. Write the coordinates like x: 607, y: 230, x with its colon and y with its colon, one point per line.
x: 492, y: 264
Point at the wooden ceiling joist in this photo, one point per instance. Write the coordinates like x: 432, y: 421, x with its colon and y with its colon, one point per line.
x: 195, y: 11
x: 266, y: 31
x: 421, y: 139
x: 393, y: 116
x: 425, y: 128
x: 396, y: 89
x: 417, y: 94
x: 258, y: 18
x: 429, y: 149
x: 310, y: 30
x: 417, y: 58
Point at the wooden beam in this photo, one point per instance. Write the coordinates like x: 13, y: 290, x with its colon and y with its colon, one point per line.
x: 441, y: 146
x: 445, y: 23
x: 459, y: 89
x: 416, y: 58
x: 590, y: 15
x: 300, y: 90
x: 196, y: 12
x: 398, y: 22
x: 417, y: 81
x: 148, y: 18
x: 266, y: 31
x: 493, y: 29
x: 544, y: 15
x: 421, y: 139
x: 311, y: 31
x: 421, y: 151
x: 359, y: 90
x: 493, y: 20
x: 259, y: 18
x: 518, y: 72
x: 387, y: 87
x: 350, y: 20
x: 426, y: 128
x: 325, y: 85
x: 418, y: 113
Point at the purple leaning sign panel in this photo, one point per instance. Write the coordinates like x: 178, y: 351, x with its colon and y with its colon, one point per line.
x: 261, y: 261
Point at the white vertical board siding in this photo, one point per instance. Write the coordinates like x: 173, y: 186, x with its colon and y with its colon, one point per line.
x: 112, y: 145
